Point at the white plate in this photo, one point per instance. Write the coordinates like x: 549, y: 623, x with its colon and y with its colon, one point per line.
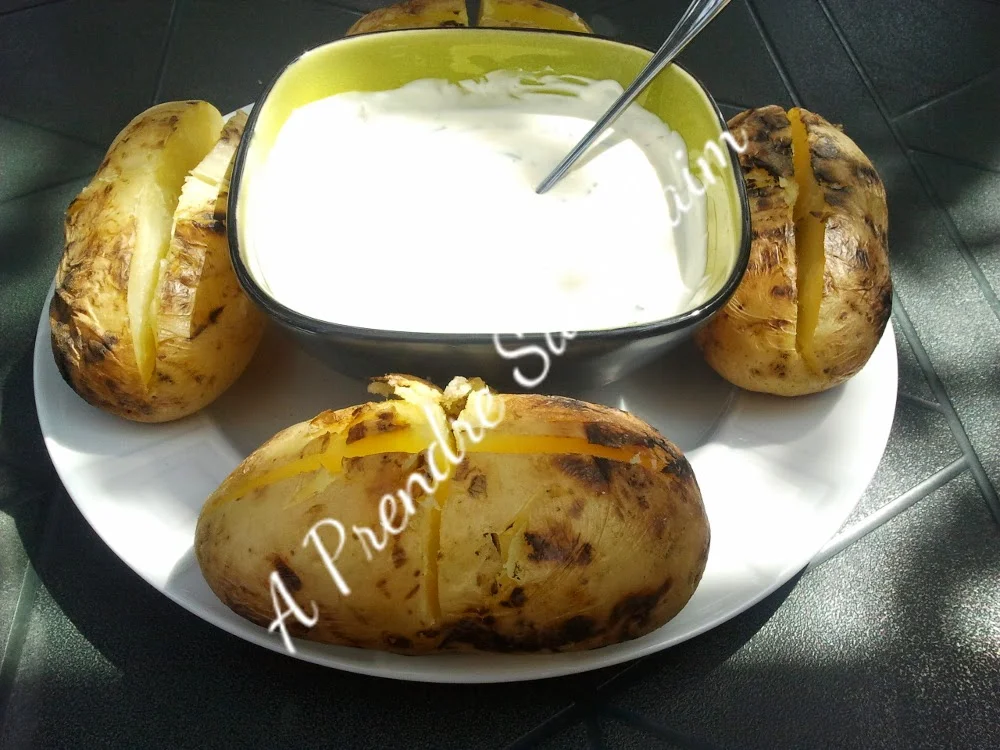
x: 779, y: 478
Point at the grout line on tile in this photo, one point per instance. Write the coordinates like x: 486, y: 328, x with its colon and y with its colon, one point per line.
x: 926, y: 403
x: 887, y: 512
x: 594, y: 738
x: 956, y: 159
x: 39, y: 4
x: 168, y: 36
x: 559, y: 721
x: 637, y: 721
x: 937, y: 98
x: 38, y: 190
x: 956, y: 237
x: 939, y: 391
x: 11, y: 657
x: 772, y: 50
x: 340, y: 6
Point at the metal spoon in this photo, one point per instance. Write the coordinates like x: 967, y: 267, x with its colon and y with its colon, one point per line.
x: 697, y: 17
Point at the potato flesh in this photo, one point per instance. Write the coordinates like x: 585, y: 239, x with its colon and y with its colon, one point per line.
x: 530, y: 14
x: 809, y: 215
x: 192, y: 139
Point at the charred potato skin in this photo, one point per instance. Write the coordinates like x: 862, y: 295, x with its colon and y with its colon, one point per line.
x: 214, y: 333
x: 857, y: 293
x: 413, y: 14
x: 751, y: 342
x: 608, y: 552
x: 91, y: 340
x: 208, y: 329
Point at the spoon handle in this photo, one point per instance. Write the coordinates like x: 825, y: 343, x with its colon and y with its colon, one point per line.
x: 698, y: 15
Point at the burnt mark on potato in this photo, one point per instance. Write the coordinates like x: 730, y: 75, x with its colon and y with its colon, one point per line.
x: 782, y: 291
x: 633, y: 611
x: 95, y: 350
x: 576, y: 509
x: 517, y: 598
x: 164, y: 377
x: 398, y: 641
x: 383, y: 422
x: 680, y: 467
x: 494, y: 588
x: 577, y: 628
x: 758, y: 192
x: 824, y: 148
x: 556, y: 545
x: 612, y: 436
x: 768, y: 164
x: 477, y: 486
x: 411, y: 593
x: 583, y: 470
x: 462, y: 470
x: 773, y: 232
x: 398, y: 553
x: 59, y: 310
x: 288, y: 577
x: 213, y: 225
x: 357, y: 432
x: 214, y: 314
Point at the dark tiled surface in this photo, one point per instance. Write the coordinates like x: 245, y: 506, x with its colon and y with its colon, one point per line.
x: 34, y: 159
x: 81, y: 68
x: 95, y: 649
x: 894, y: 642
x: 961, y: 125
x: 853, y: 659
x: 30, y: 246
x: 228, y: 58
x: 747, y: 79
x: 972, y: 198
x: 573, y: 738
x: 936, y: 284
x: 920, y: 444
x: 924, y: 51
x: 22, y: 512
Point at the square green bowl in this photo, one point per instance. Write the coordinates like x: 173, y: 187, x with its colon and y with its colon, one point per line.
x: 389, y: 59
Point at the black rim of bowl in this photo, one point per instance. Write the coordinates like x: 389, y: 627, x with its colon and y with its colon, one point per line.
x: 314, y: 326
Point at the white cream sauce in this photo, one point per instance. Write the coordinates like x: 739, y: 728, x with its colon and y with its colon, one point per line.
x: 415, y: 210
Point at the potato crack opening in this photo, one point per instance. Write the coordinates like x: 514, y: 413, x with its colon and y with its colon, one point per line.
x: 192, y: 136
x: 809, y: 215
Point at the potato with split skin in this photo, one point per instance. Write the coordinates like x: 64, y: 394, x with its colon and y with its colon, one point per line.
x: 543, y: 524
x: 148, y: 319
x: 413, y: 14
x: 817, y: 293
x: 529, y: 14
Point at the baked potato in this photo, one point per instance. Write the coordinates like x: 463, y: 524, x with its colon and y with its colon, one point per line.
x: 817, y: 293
x: 414, y: 14
x: 148, y: 319
x: 529, y: 14
x: 458, y: 520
